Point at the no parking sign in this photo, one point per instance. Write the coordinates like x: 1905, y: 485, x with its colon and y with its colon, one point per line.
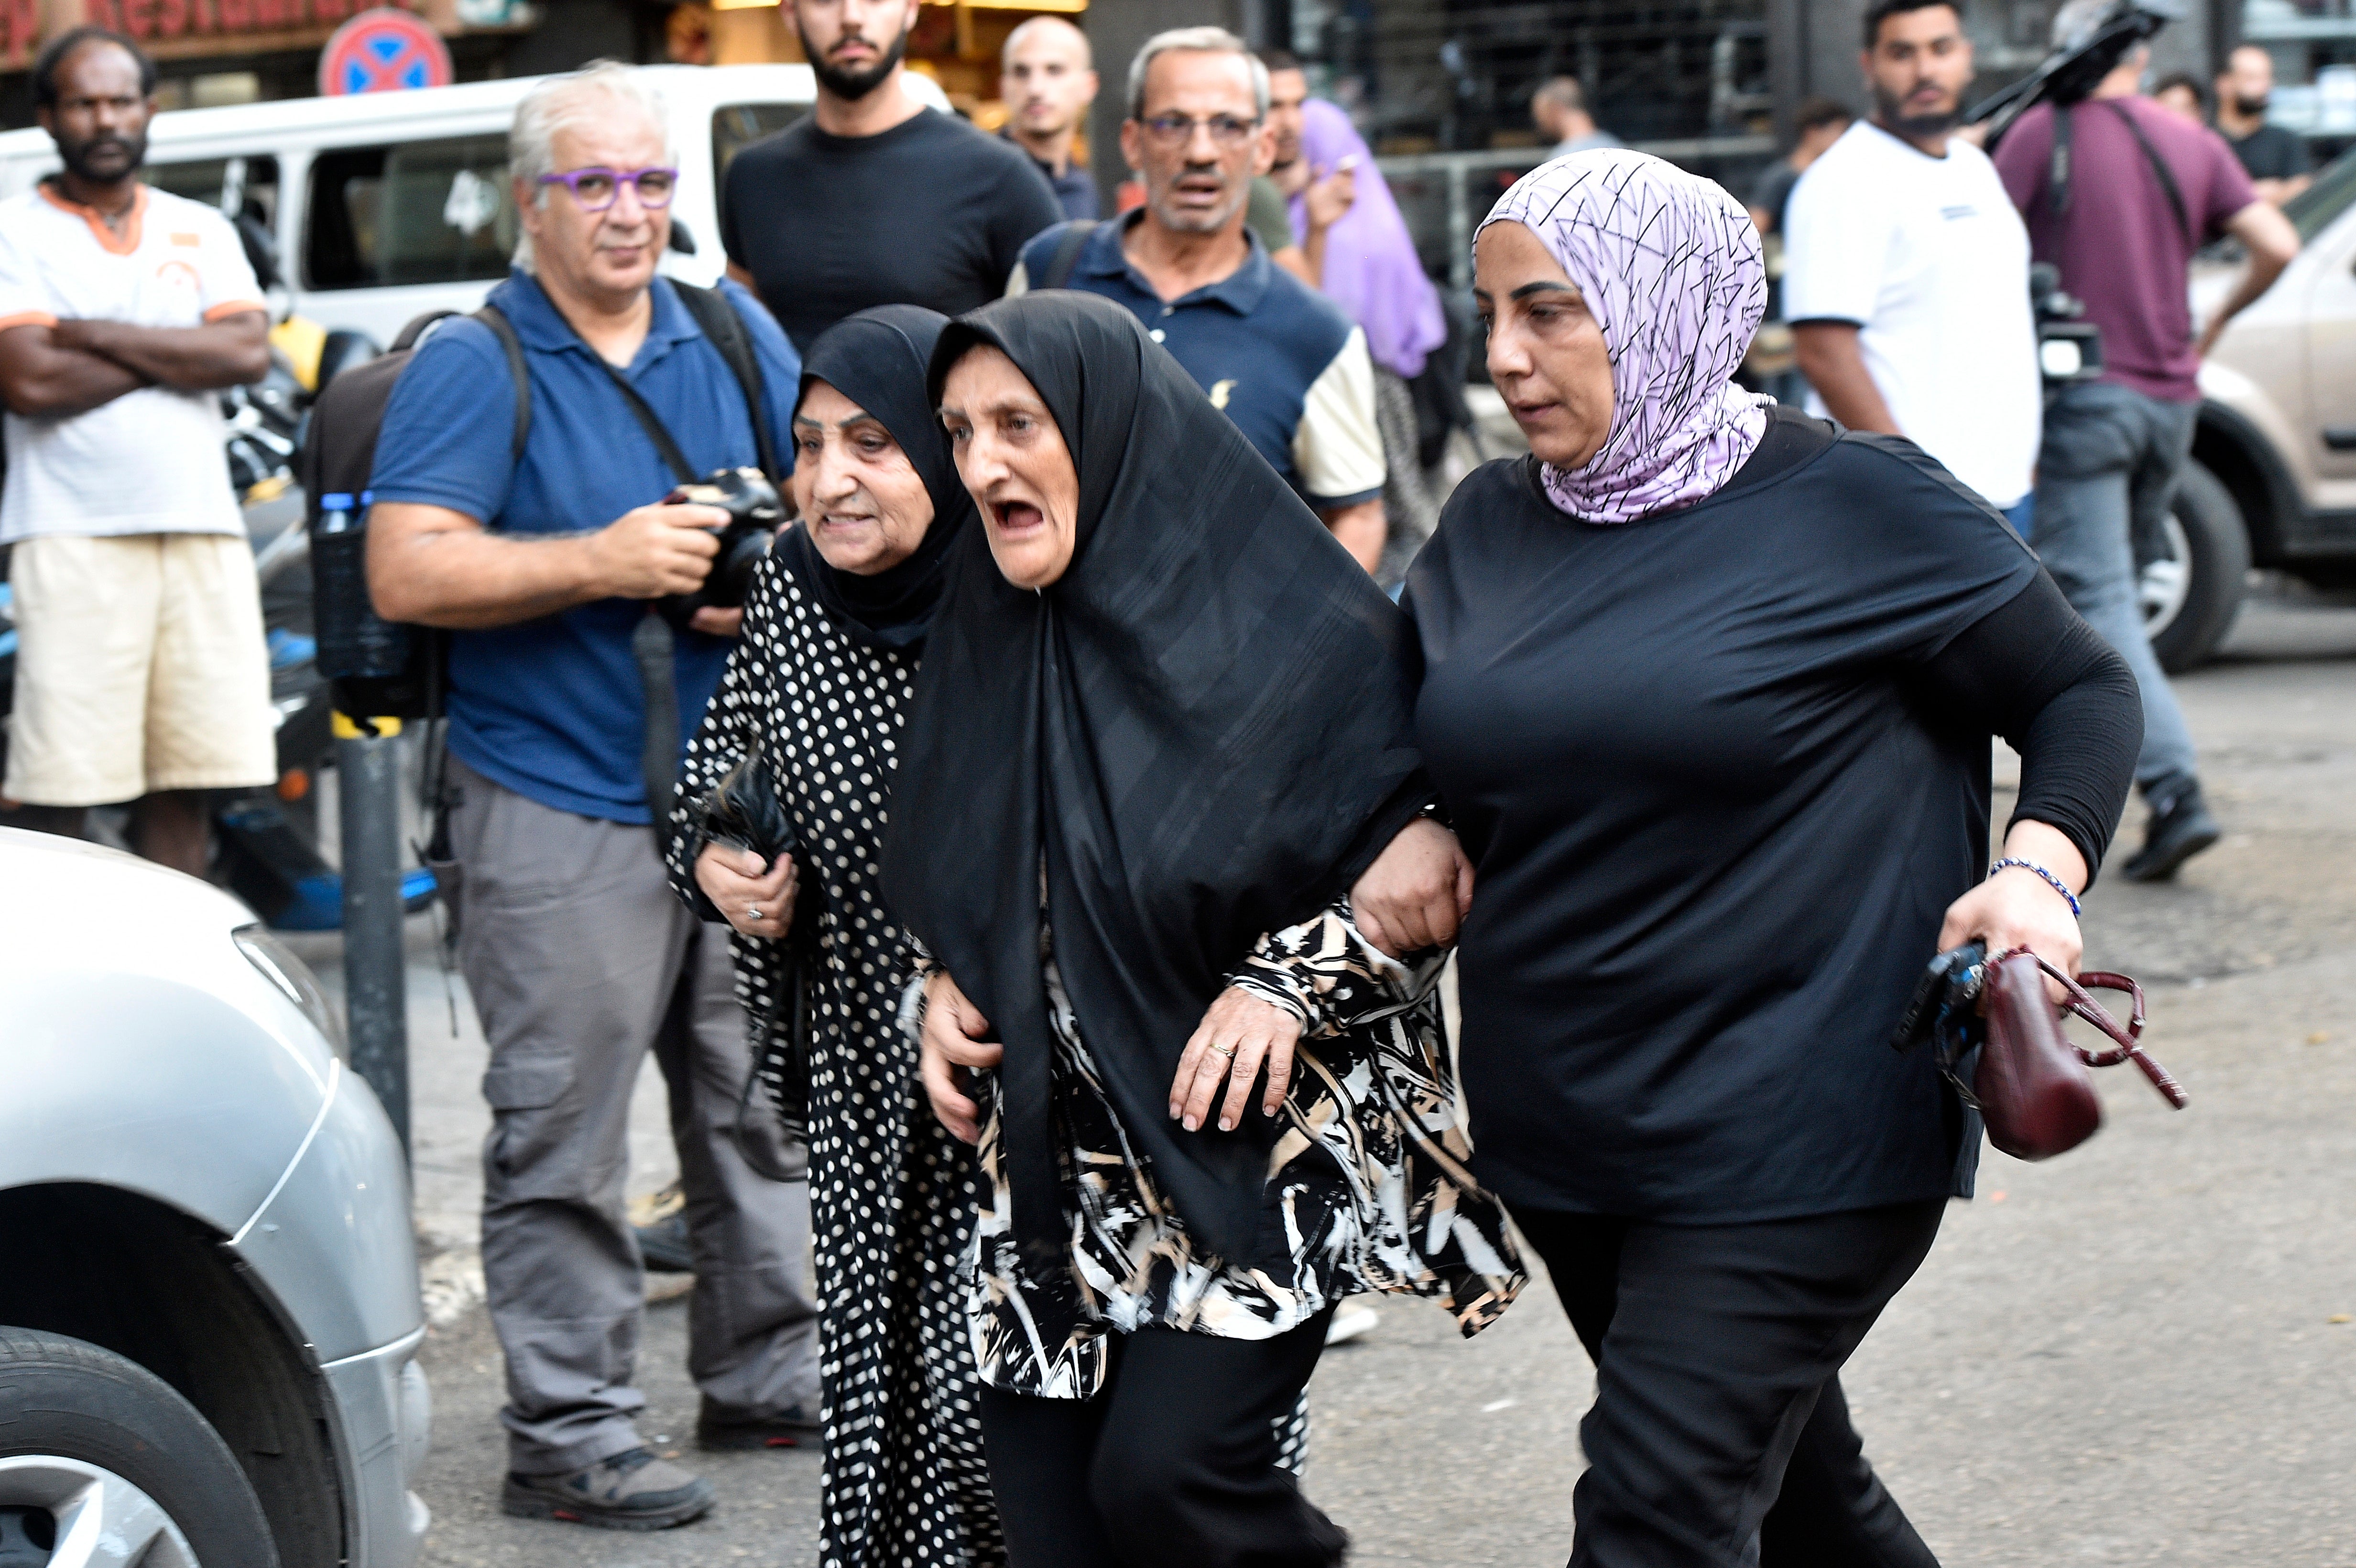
x: 383, y: 50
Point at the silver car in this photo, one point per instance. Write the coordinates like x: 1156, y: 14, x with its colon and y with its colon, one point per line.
x: 208, y: 1296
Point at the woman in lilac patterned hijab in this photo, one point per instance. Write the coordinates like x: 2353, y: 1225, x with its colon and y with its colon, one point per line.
x: 1708, y: 689
x: 1670, y: 269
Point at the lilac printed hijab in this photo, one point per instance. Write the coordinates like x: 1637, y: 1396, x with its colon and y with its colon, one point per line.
x: 1671, y: 269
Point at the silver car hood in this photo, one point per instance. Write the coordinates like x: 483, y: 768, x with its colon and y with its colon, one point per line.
x: 139, y: 1048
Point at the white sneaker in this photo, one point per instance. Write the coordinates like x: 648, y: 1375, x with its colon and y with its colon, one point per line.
x: 1351, y: 1323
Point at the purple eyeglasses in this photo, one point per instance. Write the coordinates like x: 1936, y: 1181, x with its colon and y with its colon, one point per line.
x: 598, y: 188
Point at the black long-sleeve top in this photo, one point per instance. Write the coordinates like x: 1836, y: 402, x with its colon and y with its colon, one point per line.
x: 1720, y: 772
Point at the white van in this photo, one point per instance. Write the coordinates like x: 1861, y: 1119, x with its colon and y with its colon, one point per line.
x: 385, y: 205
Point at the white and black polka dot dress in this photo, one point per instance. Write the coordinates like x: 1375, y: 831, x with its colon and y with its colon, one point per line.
x: 892, y: 1196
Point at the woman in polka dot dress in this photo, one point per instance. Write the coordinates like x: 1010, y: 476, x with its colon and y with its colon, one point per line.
x: 821, y: 681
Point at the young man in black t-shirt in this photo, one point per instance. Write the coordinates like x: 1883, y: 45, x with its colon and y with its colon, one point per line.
x: 873, y: 198
x: 2277, y: 158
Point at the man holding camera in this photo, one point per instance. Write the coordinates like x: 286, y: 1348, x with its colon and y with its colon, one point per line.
x: 578, y: 956
x: 2143, y: 191
x: 1906, y: 271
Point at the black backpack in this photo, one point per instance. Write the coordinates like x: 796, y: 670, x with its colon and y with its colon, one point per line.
x: 382, y: 668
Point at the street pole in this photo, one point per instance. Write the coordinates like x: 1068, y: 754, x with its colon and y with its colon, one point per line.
x: 376, y: 969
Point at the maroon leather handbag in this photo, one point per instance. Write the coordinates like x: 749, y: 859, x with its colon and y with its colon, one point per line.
x: 2032, y: 1082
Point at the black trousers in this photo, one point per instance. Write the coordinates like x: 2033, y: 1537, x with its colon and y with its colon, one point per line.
x: 1719, y: 1437
x: 1173, y: 1461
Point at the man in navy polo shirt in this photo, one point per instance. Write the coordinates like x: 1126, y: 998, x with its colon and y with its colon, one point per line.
x: 578, y: 956
x: 1280, y: 358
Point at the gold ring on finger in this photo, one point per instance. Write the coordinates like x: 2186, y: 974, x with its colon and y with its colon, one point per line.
x: 1229, y: 1053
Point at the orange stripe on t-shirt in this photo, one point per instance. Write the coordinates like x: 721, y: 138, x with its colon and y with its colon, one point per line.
x: 235, y: 307
x: 28, y: 318
x: 125, y: 244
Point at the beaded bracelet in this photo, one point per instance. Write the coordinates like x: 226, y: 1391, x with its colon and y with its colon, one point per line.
x: 2059, y: 885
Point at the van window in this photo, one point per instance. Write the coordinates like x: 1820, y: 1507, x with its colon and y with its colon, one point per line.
x: 233, y: 184
x: 416, y: 212
x: 736, y: 124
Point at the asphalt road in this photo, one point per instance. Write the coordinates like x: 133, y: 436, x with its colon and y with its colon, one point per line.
x: 2140, y: 1352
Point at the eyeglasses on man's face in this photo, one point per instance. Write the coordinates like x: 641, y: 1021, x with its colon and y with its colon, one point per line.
x: 597, y: 188
x: 1178, y: 130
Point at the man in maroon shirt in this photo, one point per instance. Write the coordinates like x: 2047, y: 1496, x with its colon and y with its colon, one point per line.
x: 2144, y: 192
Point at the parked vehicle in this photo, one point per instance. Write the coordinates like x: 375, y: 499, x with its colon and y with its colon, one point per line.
x: 386, y: 205
x: 2272, y: 479
x: 208, y: 1306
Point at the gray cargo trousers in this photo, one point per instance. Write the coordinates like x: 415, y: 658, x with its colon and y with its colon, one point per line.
x: 580, y: 960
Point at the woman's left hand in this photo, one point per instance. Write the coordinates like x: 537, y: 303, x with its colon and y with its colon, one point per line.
x: 1238, y: 1035
x: 2018, y: 908
x: 1417, y: 893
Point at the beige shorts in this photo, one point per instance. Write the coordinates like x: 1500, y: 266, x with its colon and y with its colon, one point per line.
x: 140, y: 666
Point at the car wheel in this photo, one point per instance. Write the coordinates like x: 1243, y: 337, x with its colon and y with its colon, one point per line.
x: 102, y: 1463
x: 2191, y: 580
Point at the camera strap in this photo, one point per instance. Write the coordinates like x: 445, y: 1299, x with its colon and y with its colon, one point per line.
x: 652, y: 644
x: 651, y: 422
x: 724, y: 330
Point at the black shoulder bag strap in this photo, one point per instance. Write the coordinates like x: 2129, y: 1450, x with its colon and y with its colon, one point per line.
x: 2159, y: 167
x: 437, y: 854
x: 726, y: 330
x: 1067, y: 254
x: 2057, y: 179
x: 490, y: 316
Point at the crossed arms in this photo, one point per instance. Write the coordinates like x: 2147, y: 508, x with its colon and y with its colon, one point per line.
x: 73, y: 366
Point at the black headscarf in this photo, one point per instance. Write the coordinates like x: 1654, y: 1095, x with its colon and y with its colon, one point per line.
x: 1205, y: 726
x: 877, y: 358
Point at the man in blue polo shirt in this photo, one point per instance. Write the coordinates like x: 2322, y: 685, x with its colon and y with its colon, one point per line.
x: 579, y: 958
x: 1280, y: 358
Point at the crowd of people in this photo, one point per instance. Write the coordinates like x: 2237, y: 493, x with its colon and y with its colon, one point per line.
x: 1073, y: 823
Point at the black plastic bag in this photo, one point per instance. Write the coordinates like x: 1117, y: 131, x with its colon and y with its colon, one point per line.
x: 742, y: 810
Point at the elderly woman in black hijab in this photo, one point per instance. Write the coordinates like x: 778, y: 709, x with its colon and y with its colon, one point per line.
x: 1163, y: 727
x: 815, y: 696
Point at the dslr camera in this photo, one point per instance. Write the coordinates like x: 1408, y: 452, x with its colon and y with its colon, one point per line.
x: 754, y: 515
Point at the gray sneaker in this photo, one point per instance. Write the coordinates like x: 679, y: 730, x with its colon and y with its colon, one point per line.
x: 630, y: 1491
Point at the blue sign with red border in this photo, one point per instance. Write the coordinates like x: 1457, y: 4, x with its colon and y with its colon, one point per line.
x: 383, y: 50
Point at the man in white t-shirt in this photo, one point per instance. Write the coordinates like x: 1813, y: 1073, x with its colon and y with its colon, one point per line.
x: 141, y: 670
x: 1906, y: 269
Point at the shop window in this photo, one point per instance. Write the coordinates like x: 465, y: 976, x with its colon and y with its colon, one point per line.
x: 417, y: 212
x: 739, y: 124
